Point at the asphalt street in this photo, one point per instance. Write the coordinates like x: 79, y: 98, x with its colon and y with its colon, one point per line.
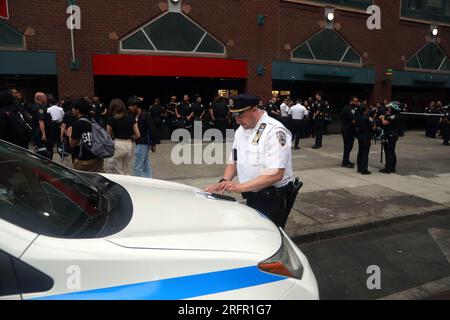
x: 413, y: 257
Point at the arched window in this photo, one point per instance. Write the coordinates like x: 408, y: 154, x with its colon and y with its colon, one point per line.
x: 327, y: 46
x: 430, y: 57
x: 10, y: 38
x: 172, y: 32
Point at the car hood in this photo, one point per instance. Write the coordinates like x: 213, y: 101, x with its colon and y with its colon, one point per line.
x: 177, y: 217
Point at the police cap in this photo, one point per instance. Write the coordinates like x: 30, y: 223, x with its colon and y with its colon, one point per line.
x: 244, y: 102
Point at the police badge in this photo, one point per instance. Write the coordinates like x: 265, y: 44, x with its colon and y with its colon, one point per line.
x: 282, y: 138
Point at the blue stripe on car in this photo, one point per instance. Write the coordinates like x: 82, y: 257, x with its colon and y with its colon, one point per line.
x: 178, y: 288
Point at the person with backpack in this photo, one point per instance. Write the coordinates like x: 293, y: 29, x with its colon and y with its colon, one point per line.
x: 81, y: 139
x: 123, y: 129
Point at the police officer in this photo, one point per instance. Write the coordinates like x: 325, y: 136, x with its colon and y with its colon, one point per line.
x: 364, y: 131
x: 446, y: 126
x: 42, y: 121
x: 348, y: 130
x: 391, y: 126
x: 319, y: 113
x: 261, y: 159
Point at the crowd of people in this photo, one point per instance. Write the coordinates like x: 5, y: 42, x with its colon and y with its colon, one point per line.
x: 138, y: 127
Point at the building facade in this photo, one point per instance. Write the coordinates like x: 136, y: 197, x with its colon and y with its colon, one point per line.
x: 159, y: 48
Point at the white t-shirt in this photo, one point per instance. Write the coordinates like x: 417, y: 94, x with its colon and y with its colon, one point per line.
x: 263, y: 150
x: 284, y: 108
x: 298, y: 112
x: 57, y: 113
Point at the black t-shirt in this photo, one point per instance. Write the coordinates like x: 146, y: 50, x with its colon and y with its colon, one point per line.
x: 122, y: 128
x: 157, y: 112
x: 69, y: 119
x: 82, y: 131
x: 220, y: 110
x: 146, y: 129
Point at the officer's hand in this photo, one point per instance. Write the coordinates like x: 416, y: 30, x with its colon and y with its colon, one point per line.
x: 44, y: 138
x: 234, y: 187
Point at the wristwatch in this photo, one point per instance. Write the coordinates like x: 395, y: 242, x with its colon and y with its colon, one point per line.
x: 223, y: 180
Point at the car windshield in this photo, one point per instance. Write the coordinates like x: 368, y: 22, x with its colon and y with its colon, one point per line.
x: 41, y: 196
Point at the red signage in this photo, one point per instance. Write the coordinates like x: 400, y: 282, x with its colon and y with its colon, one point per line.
x: 4, y: 12
x: 168, y: 66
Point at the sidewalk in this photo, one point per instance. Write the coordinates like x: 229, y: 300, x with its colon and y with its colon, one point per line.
x: 336, y: 200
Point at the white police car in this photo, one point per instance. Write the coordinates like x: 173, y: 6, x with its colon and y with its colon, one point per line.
x: 68, y: 235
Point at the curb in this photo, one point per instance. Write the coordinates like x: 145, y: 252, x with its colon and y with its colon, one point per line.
x: 323, y: 233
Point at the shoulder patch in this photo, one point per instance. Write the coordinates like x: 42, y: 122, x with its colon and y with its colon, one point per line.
x: 282, y: 138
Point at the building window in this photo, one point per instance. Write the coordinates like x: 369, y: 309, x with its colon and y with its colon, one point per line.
x: 359, y: 4
x: 429, y: 58
x: 327, y: 46
x: 10, y: 37
x: 173, y: 32
x: 431, y: 10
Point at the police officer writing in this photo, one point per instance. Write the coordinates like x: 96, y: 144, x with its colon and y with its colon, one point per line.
x: 261, y: 159
x: 364, y: 131
x: 391, y: 127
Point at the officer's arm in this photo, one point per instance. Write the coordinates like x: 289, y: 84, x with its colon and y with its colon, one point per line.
x: 42, y: 128
x: 230, y: 172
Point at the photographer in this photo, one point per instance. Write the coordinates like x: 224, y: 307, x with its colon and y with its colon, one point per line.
x: 390, y: 123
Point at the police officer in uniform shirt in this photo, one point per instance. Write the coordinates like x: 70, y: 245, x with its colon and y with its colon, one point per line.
x: 348, y: 130
x: 261, y: 159
x: 364, y: 131
x: 42, y: 122
x: 391, y: 126
x: 319, y: 113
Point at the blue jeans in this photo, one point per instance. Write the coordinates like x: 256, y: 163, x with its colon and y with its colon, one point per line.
x: 142, y: 166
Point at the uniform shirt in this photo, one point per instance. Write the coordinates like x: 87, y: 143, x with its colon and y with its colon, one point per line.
x: 298, y: 112
x: 39, y: 113
x: 82, y: 131
x: 321, y: 107
x: 348, y: 115
x: 284, y: 109
x: 263, y: 151
x: 364, y: 126
x: 198, y: 109
x: 57, y: 113
x: 185, y: 109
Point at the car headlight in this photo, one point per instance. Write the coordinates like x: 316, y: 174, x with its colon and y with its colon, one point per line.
x: 285, y: 262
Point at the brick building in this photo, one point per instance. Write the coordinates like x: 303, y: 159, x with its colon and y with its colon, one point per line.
x: 158, y: 48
